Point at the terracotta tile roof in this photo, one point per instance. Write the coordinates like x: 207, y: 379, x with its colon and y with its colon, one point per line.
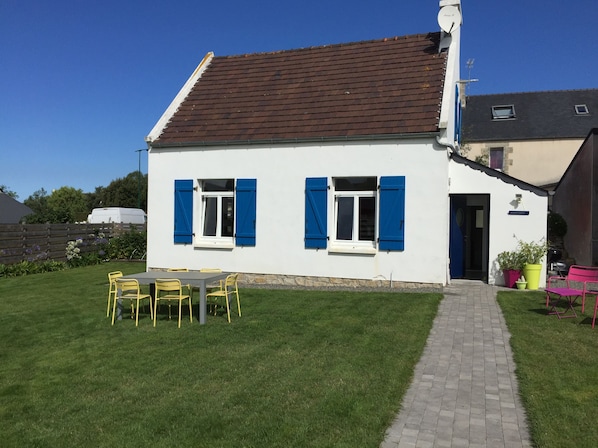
x: 390, y: 86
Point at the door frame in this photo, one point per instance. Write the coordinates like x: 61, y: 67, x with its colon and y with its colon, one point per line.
x: 470, y: 252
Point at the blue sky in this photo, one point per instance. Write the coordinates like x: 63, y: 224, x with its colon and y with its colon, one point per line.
x: 83, y: 82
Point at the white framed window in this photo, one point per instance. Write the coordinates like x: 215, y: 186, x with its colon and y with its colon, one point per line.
x: 503, y: 112
x: 355, y: 204
x: 217, y: 214
x: 581, y: 109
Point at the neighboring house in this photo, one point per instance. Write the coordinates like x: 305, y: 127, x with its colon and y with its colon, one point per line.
x: 331, y: 165
x: 575, y: 199
x: 11, y: 210
x: 533, y: 135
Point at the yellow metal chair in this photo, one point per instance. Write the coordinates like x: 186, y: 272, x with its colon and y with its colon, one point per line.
x: 112, y: 276
x: 210, y: 270
x: 187, y: 287
x: 228, y: 288
x: 129, y: 290
x: 170, y: 289
x: 213, y: 286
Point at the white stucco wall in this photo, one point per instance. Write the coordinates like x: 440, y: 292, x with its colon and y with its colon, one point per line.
x: 281, y: 172
x: 505, y: 230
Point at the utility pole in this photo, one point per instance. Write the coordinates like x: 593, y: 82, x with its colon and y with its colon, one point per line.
x: 138, y: 151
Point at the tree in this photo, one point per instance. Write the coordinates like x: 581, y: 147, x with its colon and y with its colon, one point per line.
x: 68, y: 205
x: 124, y: 192
x: 94, y: 200
x: 7, y: 191
x: 38, y: 202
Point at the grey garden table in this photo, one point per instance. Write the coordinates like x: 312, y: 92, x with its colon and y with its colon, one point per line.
x: 193, y: 278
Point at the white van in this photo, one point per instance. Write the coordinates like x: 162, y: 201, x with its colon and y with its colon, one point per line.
x: 118, y: 215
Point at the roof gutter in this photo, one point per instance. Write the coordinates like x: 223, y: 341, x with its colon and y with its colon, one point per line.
x: 273, y: 141
x: 450, y: 146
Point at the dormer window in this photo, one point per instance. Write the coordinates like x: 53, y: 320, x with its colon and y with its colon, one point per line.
x: 503, y: 112
x: 581, y: 109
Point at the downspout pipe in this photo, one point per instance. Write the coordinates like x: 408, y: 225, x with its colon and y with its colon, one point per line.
x: 447, y: 144
x: 450, y: 149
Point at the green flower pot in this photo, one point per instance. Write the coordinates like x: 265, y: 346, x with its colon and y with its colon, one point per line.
x: 531, y: 272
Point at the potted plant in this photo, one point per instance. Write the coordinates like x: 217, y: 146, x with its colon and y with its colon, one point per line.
x: 531, y: 255
x: 521, y: 283
x: 510, y: 263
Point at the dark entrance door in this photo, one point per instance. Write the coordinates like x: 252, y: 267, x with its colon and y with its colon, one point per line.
x: 457, y: 237
x: 469, y: 235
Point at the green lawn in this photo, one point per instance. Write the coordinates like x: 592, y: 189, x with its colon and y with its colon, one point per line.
x: 557, y: 367
x: 299, y: 369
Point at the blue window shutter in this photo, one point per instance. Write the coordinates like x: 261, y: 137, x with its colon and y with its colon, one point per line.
x: 316, y: 197
x: 245, y: 207
x: 392, y: 213
x: 183, y: 211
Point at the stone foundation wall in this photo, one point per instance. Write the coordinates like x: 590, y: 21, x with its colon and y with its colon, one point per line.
x: 290, y: 281
x: 302, y: 282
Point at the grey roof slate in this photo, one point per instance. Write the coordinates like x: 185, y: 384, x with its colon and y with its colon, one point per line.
x: 11, y: 210
x: 538, y: 115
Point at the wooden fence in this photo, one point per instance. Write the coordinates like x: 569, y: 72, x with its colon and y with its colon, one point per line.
x: 32, y: 242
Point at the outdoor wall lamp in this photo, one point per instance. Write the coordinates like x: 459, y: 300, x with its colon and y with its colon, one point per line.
x: 516, y: 204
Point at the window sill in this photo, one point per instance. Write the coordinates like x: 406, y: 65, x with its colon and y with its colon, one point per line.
x: 214, y: 245
x: 352, y: 250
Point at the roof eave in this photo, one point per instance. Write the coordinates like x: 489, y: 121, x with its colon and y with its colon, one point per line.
x: 275, y: 141
x: 499, y: 175
x: 179, y: 98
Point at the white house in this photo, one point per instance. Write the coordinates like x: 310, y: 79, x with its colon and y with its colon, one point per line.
x: 330, y: 165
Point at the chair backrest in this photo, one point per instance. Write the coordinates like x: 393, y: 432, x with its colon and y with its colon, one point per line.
x: 582, y: 274
x: 210, y: 270
x: 112, y: 276
x: 231, y: 280
x: 177, y: 270
x: 168, y: 285
x: 127, y: 284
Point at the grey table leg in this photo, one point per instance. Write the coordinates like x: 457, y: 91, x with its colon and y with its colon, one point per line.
x: 119, y: 308
x: 202, y: 303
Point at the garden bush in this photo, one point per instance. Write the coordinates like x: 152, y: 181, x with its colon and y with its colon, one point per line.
x: 128, y: 245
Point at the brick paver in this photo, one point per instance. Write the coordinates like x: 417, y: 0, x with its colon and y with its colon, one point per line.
x: 464, y: 392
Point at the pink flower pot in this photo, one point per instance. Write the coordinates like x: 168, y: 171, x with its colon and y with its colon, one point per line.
x: 511, y: 276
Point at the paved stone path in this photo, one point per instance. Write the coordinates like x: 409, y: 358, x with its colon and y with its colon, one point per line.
x: 464, y: 392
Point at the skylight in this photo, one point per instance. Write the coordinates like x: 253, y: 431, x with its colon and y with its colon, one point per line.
x: 503, y: 112
x: 581, y: 109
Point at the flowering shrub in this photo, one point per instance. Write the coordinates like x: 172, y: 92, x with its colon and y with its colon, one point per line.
x: 73, y: 252
x: 101, y: 243
x: 97, y: 249
x: 36, y: 254
x: 132, y: 244
x: 76, y: 257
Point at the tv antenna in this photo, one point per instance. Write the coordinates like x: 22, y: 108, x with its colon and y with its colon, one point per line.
x: 469, y: 64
